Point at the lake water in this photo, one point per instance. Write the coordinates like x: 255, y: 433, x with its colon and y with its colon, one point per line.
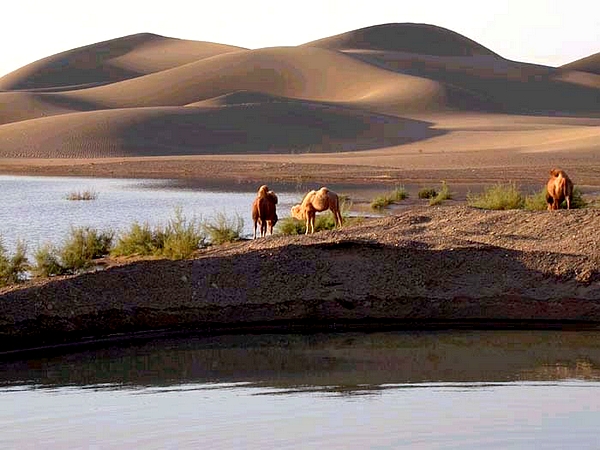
x: 36, y: 210
x: 440, y: 390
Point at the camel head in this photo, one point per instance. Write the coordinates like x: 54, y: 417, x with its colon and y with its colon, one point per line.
x: 298, y: 212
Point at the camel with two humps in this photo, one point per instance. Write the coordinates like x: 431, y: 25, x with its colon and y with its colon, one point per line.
x: 558, y: 188
x: 314, y: 202
x: 264, y: 211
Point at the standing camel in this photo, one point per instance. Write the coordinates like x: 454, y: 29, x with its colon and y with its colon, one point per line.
x: 558, y: 188
x: 317, y: 201
x: 264, y: 210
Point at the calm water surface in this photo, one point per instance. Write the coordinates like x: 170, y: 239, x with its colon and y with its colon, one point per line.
x: 475, y: 389
x: 36, y: 210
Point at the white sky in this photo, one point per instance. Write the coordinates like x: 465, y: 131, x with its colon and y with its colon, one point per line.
x: 537, y: 31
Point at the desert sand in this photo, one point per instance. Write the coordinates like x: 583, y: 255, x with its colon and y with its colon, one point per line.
x: 393, y: 103
x: 390, y: 104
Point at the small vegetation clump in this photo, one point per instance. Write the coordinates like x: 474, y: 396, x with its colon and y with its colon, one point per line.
x: 444, y: 194
x: 84, y: 245
x: 82, y: 195
x: 179, y: 239
x: 427, y: 192
x: 498, y: 197
x: 383, y: 201
x: 47, y: 262
x: 222, y: 230
x: 13, y: 268
x: 139, y: 240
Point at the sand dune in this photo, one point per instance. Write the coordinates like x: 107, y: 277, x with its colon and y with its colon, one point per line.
x: 394, y: 95
x: 275, y: 127
x: 408, y: 37
x: 588, y: 64
x: 110, y: 61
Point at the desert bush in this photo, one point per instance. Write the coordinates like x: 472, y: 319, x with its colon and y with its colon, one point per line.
x: 47, y: 262
x: 427, y: 192
x: 444, y: 194
x: 83, y: 245
x: 82, y: 195
x: 138, y: 240
x: 181, y: 237
x: 577, y: 202
x: 536, y: 201
x: 499, y: 197
x: 177, y: 240
x: 382, y: 201
x: 13, y: 268
x: 221, y: 229
x: 291, y: 226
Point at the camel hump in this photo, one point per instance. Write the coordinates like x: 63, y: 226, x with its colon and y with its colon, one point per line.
x: 324, y: 190
x: 273, y: 197
x: 263, y: 190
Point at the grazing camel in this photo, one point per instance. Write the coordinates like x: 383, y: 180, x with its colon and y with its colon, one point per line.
x: 264, y: 210
x: 317, y: 201
x: 559, y: 188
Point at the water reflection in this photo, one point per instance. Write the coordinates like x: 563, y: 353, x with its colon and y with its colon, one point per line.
x: 345, y: 363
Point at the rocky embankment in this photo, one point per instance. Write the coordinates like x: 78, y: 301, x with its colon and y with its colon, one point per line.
x: 423, y: 267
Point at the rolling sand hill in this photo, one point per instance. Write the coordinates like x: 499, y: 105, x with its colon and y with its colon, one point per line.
x: 409, y: 101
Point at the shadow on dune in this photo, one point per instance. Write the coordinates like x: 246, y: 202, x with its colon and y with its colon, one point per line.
x: 493, y: 84
x: 275, y: 127
x: 272, y: 127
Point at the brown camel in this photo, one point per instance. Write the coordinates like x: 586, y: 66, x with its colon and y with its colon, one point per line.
x: 264, y: 210
x: 559, y: 188
x: 317, y: 201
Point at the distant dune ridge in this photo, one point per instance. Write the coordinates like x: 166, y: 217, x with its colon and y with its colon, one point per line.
x: 376, y: 88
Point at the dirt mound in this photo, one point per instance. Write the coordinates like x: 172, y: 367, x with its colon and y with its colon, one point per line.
x: 450, y: 266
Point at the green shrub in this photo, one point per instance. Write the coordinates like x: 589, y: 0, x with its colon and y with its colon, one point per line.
x: 13, y: 268
x: 221, y: 230
x: 498, y: 197
x: 291, y: 226
x: 47, y: 262
x: 536, y: 202
x: 82, y: 195
x: 181, y: 238
x: 577, y: 202
x: 382, y: 201
x: 139, y: 240
x: 84, y: 245
x: 427, y: 192
x: 444, y: 194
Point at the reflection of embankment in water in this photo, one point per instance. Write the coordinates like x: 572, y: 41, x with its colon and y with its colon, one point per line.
x: 341, y: 362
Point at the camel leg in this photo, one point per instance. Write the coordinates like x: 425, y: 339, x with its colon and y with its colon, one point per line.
x: 255, y: 223
x: 568, y: 202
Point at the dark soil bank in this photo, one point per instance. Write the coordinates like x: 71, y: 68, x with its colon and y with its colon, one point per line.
x: 426, y: 267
